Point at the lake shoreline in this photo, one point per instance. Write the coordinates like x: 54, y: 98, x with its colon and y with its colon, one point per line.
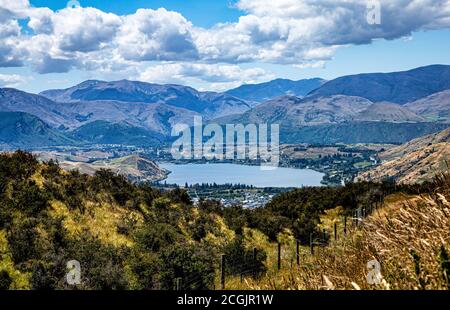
x: 222, y: 173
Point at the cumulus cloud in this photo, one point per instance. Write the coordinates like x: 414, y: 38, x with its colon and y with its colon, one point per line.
x: 290, y: 31
x: 77, y: 29
x: 10, y: 54
x: 156, y: 35
x: 295, y: 32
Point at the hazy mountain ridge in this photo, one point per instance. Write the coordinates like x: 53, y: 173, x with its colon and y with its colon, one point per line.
x: 397, y: 87
x: 13, y: 100
x: 275, y: 88
x: 294, y: 111
x: 23, y: 130
x: 97, y: 112
x: 359, y: 132
x: 158, y: 117
x: 209, y: 104
x: 102, y: 132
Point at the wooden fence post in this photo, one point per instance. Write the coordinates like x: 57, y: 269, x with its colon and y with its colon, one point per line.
x: 297, y: 251
x: 178, y: 284
x: 222, y: 271
x: 311, y: 243
x: 279, y: 255
x: 345, y: 225
x: 335, y: 231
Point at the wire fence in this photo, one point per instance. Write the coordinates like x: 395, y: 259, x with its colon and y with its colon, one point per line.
x: 248, y: 267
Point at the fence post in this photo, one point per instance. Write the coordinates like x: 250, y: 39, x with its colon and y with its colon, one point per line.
x: 178, y: 284
x: 345, y: 225
x: 297, y: 251
x: 335, y: 231
x: 279, y: 255
x: 311, y: 244
x: 222, y: 271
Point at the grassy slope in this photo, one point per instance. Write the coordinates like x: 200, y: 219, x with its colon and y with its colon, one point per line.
x: 408, y: 236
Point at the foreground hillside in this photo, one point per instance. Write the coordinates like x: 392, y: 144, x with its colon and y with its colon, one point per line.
x: 124, y: 236
x: 129, y: 236
x: 409, y: 236
x: 416, y: 161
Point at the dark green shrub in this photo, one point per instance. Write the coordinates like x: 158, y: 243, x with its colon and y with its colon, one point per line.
x: 5, y: 280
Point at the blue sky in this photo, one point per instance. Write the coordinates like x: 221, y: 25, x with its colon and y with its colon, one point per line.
x: 211, y: 51
x: 203, y: 13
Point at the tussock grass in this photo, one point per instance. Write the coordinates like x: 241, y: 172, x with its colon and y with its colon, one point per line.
x: 409, y: 237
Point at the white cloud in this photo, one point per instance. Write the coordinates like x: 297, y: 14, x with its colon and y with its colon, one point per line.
x: 314, y: 64
x: 219, y: 76
x: 297, y: 32
x: 290, y: 31
x: 10, y: 11
x: 11, y: 80
x: 156, y: 35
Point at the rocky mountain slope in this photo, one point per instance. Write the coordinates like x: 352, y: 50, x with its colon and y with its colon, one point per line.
x: 295, y: 111
x: 415, y: 144
x: 388, y: 112
x: 433, y: 107
x: 414, y: 162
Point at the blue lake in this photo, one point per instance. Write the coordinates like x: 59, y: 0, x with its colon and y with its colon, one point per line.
x: 233, y: 173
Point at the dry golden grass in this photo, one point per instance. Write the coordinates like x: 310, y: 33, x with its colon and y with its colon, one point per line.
x: 407, y: 237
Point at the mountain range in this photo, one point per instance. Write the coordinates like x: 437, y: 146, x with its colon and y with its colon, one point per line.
x: 209, y: 104
x: 379, y: 107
